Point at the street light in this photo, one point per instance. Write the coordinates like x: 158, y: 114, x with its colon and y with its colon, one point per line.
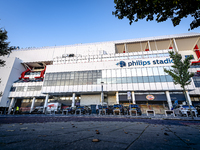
x: 102, y: 96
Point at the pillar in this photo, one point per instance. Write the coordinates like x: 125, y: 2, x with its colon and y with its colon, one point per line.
x: 32, y: 105
x: 73, y: 99
x: 12, y: 103
x: 188, y: 97
x: 125, y: 47
x: 133, y: 97
x: 175, y: 45
x: 169, y: 100
x: 117, y: 97
x: 45, y: 103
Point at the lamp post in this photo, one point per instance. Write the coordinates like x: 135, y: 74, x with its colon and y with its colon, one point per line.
x: 102, y: 96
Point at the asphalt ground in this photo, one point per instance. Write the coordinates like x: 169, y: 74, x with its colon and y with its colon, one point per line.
x: 27, y: 132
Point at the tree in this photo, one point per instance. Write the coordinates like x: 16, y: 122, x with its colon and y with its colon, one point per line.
x: 160, y: 9
x: 180, y: 73
x: 4, y: 47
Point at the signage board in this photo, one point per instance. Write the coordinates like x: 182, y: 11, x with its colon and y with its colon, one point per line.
x: 128, y: 95
x: 150, y: 97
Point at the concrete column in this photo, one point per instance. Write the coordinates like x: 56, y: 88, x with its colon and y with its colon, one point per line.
x: 12, y: 103
x: 45, y: 103
x: 149, y: 46
x: 32, y: 105
x: 175, y: 45
x: 125, y: 47
x: 73, y: 99
x: 133, y: 97
x: 188, y: 97
x: 169, y: 100
x: 117, y: 97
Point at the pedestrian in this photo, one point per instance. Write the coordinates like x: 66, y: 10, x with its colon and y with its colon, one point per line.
x: 17, y: 110
x: 97, y: 109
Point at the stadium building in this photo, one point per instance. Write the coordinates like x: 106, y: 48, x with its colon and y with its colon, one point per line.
x: 100, y: 73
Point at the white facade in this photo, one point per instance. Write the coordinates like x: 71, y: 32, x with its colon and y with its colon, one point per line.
x: 129, y: 65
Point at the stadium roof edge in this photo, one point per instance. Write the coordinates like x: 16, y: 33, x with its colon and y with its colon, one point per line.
x: 191, y: 34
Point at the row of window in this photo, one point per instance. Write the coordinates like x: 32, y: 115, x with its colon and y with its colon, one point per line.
x: 110, y: 57
x: 196, y: 80
x: 25, y: 88
x: 114, y: 80
x: 29, y: 80
x: 109, y: 73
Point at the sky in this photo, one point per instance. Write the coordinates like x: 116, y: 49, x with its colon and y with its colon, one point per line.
x: 40, y: 23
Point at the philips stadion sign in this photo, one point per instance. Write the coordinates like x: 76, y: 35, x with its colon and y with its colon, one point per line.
x: 145, y: 63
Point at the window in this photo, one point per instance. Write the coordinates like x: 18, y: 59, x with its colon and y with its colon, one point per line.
x: 156, y: 78
x: 196, y: 80
x: 186, y: 56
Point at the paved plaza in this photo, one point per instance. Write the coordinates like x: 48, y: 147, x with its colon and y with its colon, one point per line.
x: 27, y: 132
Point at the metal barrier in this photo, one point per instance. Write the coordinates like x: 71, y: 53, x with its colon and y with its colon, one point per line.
x: 102, y: 111
x: 130, y: 111
x: 116, y: 110
x: 65, y: 112
x: 150, y: 111
x: 171, y: 112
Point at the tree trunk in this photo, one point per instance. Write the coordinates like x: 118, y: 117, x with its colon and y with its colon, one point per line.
x: 184, y: 91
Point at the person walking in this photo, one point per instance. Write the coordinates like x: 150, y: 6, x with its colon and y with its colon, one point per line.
x: 17, y: 110
x: 97, y: 109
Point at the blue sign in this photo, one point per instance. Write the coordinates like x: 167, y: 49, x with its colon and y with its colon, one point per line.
x: 144, y: 63
x: 121, y: 63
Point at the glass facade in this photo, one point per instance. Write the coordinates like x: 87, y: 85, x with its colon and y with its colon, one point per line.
x: 25, y: 88
x: 196, y: 80
x: 110, y: 76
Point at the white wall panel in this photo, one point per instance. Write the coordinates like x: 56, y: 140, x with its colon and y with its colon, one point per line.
x: 27, y: 94
x: 141, y: 86
x: 152, y: 86
x: 114, y: 87
x: 84, y: 87
x: 105, y: 87
x: 70, y: 88
x: 119, y: 87
x: 111, y: 100
x: 62, y: 88
x: 158, y: 86
x: 171, y: 85
x: 164, y: 85
x: 51, y: 89
x: 135, y: 86
x: 178, y: 87
x: 75, y: 88
x: 31, y: 93
x: 80, y: 88
x: 129, y: 86
x: 90, y: 99
x: 98, y: 87
x: 109, y: 87
x: 147, y: 86
x: 89, y: 88
x: 66, y: 88
x: 124, y: 87
x: 57, y: 89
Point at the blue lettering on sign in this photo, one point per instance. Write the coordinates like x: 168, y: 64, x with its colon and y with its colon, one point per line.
x: 144, y: 63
